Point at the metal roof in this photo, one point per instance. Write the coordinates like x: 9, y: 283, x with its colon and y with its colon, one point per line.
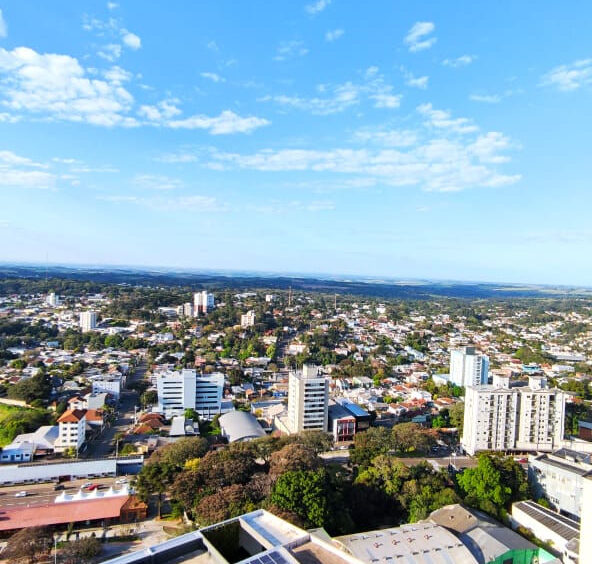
x: 240, y: 426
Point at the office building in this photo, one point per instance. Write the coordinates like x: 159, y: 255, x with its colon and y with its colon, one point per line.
x: 468, y: 367
x: 52, y: 300
x: 178, y: 391
x: 498, y: 417
x: 88, y: 321
x: 202, y: 302
x: 248, y: 319
x: 308, y: 400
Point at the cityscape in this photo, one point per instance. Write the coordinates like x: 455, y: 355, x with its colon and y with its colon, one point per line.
x: 295, y: 282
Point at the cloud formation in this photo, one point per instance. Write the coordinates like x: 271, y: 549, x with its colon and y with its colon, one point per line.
x: 333, y: 35
x: 569, y: 77
x: 416, y: 38
x: 316, y: 7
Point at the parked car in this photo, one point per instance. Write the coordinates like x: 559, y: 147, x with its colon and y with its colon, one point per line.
x: 93, y: 487
x: 86, y: 485
x: 58, y: 487
x: 21, y: 494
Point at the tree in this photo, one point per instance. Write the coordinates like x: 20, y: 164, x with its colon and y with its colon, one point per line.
x: 303, y: 493
x: 177, y: 453
x: 385, y: 473
x: 369, y: 444
x: 226, y: 467
x: 293, y: 457
x: 149, y: 397
x: 224, y: 504
x: 153, y: 479
x: 81, y: 551
x: 317, y: 441
x: 186, y: 488
x: 411, y: 437
x: 456, y: 414
x: 36, y: 387
x: 30, y: 545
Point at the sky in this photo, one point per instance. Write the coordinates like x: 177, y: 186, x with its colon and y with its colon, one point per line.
x: 440, y: 140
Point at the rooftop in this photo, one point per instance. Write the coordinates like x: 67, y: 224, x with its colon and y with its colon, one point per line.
x: 559, y: 524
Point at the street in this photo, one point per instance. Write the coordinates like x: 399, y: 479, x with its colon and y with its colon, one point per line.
x: 104, y: 445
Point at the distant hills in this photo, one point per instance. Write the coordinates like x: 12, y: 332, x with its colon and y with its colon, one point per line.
x: 363, y: 286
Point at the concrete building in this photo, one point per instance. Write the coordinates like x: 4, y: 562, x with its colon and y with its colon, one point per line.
x: 202, y: 302
x: 72, y: 430
x: 248, y: 319
x: 108, y: 384
x: 468, y: 367
x: 178, y: 391
x: 498, y: 417
x: 185, y: 310
x: 560, y: 478
x: 52, y: 299
x: 308, y: 400
x: 342, y: 423
x: 88, y: 321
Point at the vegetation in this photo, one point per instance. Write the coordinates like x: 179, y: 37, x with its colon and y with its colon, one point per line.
x: 17, y: 420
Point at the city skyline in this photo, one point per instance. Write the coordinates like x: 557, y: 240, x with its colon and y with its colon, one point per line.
x: 400, y: 141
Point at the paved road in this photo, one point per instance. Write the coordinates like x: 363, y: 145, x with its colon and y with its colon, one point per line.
x: 39, y: 494
x: 105, y: 444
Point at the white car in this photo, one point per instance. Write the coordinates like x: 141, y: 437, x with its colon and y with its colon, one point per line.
x: 121, y: 481
x: 86, y: 485
x: 21, y: 494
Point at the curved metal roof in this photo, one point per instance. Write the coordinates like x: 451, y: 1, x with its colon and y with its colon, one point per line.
x: 240, y: 426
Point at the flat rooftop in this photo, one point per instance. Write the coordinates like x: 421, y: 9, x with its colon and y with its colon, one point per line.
x: 559, y: 524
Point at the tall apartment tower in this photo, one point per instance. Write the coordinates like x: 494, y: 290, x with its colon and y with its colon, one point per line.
x: 202, y: 302
x: 52, y: 299
x: 501, y: 418
x: 308, y: 400
x: 468, y: 367
x: 248, y: 319
x: 88, y: 321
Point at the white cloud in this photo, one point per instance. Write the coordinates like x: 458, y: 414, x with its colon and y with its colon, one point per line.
x: 413, y: 81
x: 131, y: 39
x: 178, y: 204
x: 569, y: 77
x: 387, y: 137
x: 212, y: 76
x: 442, y: 119
x: 110, y: 52
x: 338, y: 98
x: 227, y: 122
x: 290, y: 50
x: 22, y: 172
x: 177, y: 158
x: 212, y: 46
x: 117, y: 75
x: 317, y: 6
x: 58, y: 87
x: 156, y: 182
x: 486, y: 98
x: 3, y: 27
x: 416, y: 38
x: 164, y: 110
x: 333, y: 35
x: 112, y: 5
x: 461, y: 61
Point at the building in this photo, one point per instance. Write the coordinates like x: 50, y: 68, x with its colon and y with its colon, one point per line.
x: 240, y: 426
x: 202, y: 302
x: 72, y: 430
x: 52, y: 299
x: 178, y: 391
x: 88, y: 321
x: 108, y: 384
x: 308, y: 400
x: 559, y: 477
x: 342, y: 423
x: 468, y: 367
x: 248, y: 319
x: 500, y: 417
x: 185, y: 310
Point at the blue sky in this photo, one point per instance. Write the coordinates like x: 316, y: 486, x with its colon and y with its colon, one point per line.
x: 405, y: 139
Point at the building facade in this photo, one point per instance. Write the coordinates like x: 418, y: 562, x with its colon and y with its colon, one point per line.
x: 202, y: 302
x: 178, y: 391
x: 248, y: 319
x: 52, y: 299
x: 308, y: 400
x: 88, y: 320
x: 72, y: 429
x: 498, y: 417
x: 468, y: 367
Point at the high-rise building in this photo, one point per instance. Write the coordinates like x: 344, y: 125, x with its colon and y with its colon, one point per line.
x: 498, y: 417
x: 178, y: 391
x: 88, y: 320
x: 468, y: 367
x: 52, y: 299
x: 202, y: 302
x: 185, y: 310
x: 308, y: 400
x: 248, y: 319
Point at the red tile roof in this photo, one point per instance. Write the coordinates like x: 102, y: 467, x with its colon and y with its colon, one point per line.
x: 12, y: 518
x: 72, y: 416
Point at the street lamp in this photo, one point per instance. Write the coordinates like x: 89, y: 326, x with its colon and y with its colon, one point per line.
x: 55, y: 547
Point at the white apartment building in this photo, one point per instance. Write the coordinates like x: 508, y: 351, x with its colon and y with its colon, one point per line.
x: 248, y: 319
x: 308, y: 400
x: 185, y: 310
x: 108, y: 384
x: 71, y: 434
x: 88, y: 321
x: 178, y: 391
x: 560, y: 478
x: 52, y: 300
x: 468, y: 367
x: 498, y: 417
x: 202, y: 302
